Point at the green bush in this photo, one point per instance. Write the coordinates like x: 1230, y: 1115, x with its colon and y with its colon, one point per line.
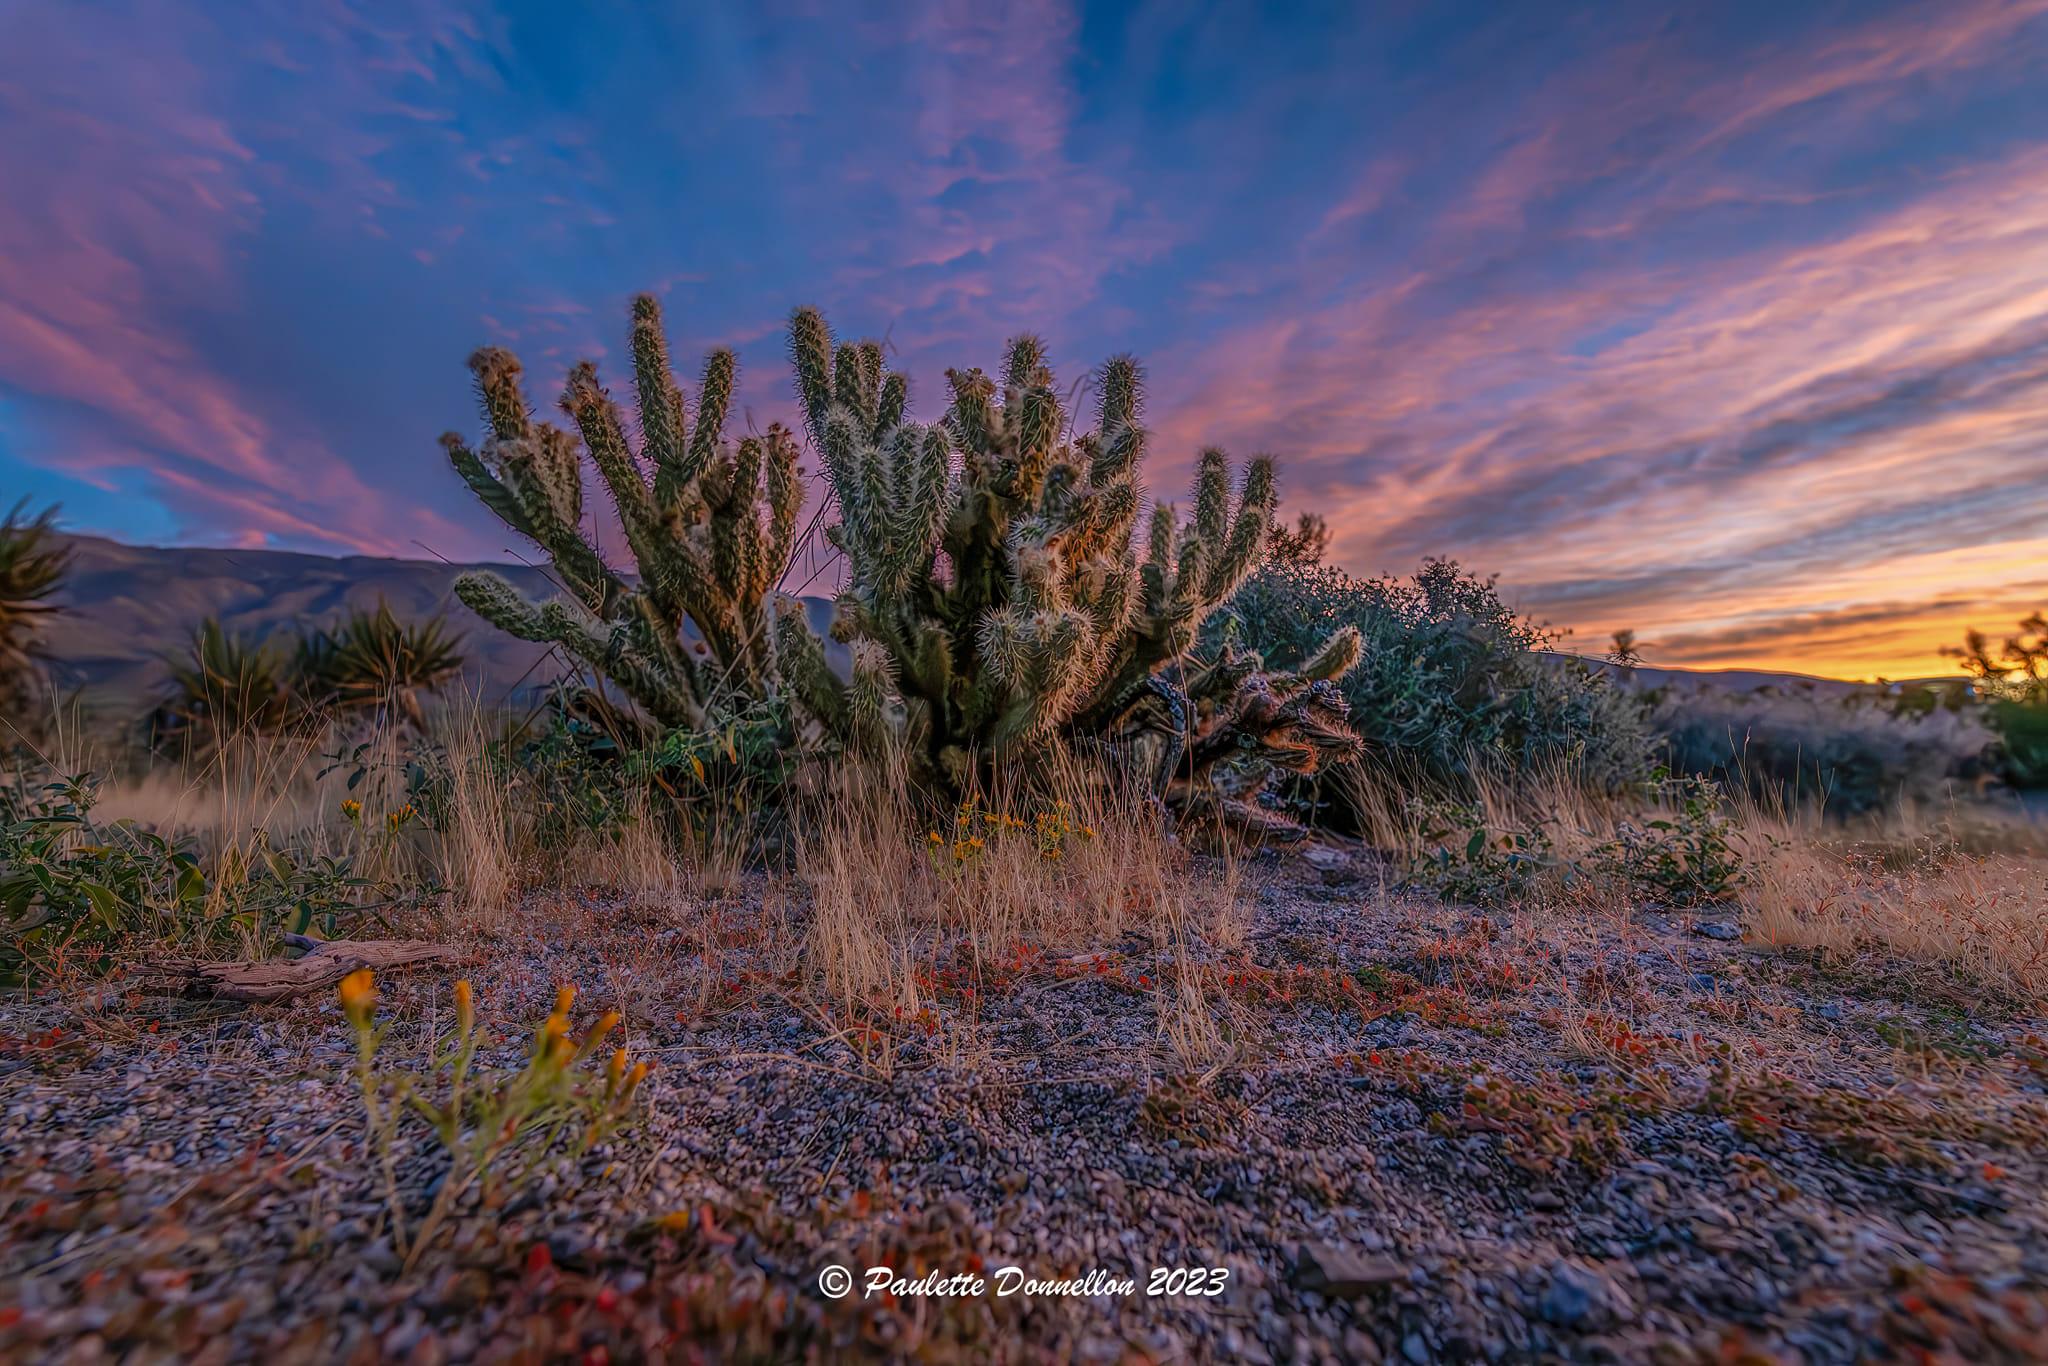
x: 2022, y: 727
x: 1452, y: 678
x: 74, y: 887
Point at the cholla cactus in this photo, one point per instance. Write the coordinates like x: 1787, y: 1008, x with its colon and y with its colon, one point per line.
x: 706, y: 553
x: 1264, y: 722
x: 996, y: 594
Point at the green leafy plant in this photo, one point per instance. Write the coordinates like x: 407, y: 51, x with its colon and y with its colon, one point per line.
x: 1683, y: 852
x: 499, y: 1128
x: 1461, y: 858
x: 720, y: 779
x: 73, y: 887
x: 1686, y: 853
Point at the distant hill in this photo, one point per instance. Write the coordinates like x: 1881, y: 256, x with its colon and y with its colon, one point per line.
x: 1746, y: 680
x: 127, y: 607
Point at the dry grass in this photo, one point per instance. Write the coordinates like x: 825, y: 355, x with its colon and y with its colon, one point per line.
x: 1977, y: 922
x: 481, y: 850
x: 918, y: 918
x: 634, y: 857
x: 1959, y: 888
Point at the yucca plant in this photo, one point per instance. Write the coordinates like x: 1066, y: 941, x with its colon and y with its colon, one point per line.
x: 709, y: 526
x: 373, y: 660
x: 997, y: 594
x: 32, y: 567
x: 224, y: 685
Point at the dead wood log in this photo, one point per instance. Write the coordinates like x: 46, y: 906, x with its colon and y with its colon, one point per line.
x: 271, y: 981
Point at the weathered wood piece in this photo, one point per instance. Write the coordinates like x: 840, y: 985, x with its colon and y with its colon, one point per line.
x: 271, y: 981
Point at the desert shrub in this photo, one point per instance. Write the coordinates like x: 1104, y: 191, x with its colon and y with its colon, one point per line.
x: 1852, y: 753
x: 1461, y: 858
x: 2013, y: 681
x: 224, y: 685
x: 72, y: 887
x: 2022, y: 727
x: 1451, y: 679
x: 499, y: 1128
x: 1680, y: 850
x: 725, y: 784
x: 1684, y: 851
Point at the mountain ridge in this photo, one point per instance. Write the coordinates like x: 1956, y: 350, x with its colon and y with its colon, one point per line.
x: 127, y: 607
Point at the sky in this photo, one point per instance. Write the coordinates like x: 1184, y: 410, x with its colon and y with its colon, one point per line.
x: 1725, y: 323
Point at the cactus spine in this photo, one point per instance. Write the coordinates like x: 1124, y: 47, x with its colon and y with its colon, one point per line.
x: 709, y: 526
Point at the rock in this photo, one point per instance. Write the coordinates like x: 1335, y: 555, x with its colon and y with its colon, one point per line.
x: 1581, y: 1297
x: 1715, y: 930
x: 1332, y: 865
x: 1341, y: 1273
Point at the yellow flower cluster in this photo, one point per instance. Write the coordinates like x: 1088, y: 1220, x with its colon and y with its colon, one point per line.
x: 1050, y: 832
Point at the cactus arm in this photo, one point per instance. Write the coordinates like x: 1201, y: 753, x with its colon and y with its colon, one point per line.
x: 486, y: 485
x: 664, y: 418
x: 714, y: 400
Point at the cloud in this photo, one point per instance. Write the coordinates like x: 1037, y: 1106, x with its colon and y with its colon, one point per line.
x: 1759, y: 419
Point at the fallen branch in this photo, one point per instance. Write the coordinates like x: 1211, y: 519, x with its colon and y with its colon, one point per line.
x: 272, y: 981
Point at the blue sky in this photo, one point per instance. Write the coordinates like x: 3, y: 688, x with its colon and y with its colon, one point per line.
x: 1727, y: 322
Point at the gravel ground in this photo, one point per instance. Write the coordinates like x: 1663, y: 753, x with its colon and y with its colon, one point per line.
x: 1427, y: 1134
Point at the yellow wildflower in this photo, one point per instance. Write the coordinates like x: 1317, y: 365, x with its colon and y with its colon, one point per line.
x: 359, y: 996
x: 465, y: 1007
x: 352, y: 810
